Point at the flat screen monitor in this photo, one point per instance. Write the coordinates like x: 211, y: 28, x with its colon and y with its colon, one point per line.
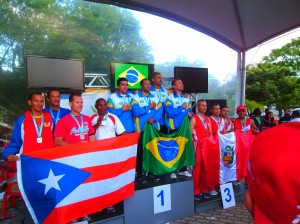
x: 195, y: 80
x: 133, y: 72
x: 63, y: 74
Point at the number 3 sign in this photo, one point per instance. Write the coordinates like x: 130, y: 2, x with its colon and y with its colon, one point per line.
x: 162, y: 198
x: 228, y: 198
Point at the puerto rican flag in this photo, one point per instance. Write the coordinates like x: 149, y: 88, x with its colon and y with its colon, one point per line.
x: 64, y: 183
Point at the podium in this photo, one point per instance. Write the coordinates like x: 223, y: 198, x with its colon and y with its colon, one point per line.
x: 154, y: 202
x: 160, y: 204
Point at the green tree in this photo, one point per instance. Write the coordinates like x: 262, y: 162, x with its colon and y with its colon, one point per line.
x: 97, y: 33
x: 287, y: 56
x: 270, y: 84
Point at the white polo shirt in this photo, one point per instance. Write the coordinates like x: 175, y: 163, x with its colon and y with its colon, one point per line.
x: 112, y: 126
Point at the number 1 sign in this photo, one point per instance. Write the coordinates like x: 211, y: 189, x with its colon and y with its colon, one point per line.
x: 162, y: 198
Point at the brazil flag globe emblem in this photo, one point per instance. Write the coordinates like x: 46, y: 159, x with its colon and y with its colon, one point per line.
x: 133, y: 73
x: 167, y: 151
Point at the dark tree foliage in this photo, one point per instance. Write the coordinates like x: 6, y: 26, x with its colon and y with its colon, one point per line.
x: 97, y: 33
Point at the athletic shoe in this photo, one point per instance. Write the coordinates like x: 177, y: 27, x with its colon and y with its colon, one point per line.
x: 198, y: 197
x: 236, y: 182
x: 185, y: 173
x: 213, y: 193
x: 173, y: 176
x: 142, y: 180
x: 206, y: 195
x: 154, y: 177
x: 110, y: 209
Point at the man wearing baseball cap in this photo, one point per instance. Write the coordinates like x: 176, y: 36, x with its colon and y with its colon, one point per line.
x: 243, y: 123
x: 244, y: 128
x: 273, y: 175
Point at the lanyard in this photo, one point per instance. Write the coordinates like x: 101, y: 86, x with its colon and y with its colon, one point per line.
x: 181, y: 99
x: 147, y: 99
x: 81, y: 129
x: 243, y: 125
x: 38, y: 129
x: 217, y: 121
x: 105, y: 117
x: 125, y: 99
x: 57, y: 116
x: 158, y: 94
x: 203, y: 121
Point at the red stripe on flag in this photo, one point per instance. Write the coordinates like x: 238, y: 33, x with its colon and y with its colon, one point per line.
x: 81, y: 148
x: 71, y: 212
x: 109, y: 170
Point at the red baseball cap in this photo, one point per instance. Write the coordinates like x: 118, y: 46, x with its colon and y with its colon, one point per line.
x: 241, y: 107
x: 273, y: 174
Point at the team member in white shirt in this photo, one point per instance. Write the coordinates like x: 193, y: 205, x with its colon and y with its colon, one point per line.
x: 106, y: 125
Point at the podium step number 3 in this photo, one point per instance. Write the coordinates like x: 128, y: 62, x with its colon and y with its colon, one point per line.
x: 162, y: 198
x: 227, y: 193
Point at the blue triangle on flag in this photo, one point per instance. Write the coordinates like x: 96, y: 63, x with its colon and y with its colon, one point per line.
x: 34, y: 170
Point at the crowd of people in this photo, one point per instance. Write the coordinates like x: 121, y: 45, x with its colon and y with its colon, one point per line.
x: 123, y: 113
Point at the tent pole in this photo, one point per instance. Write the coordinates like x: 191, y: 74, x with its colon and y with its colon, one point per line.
x: 240, y: 79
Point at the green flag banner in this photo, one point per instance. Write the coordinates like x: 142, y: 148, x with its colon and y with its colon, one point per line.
x: 164, y: 154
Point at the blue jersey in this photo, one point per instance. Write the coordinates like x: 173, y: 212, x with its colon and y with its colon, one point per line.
x: 162, y: 95
x: 175, y: 111
x: 57, y: 114
x: 115, y: 103
x: 142, y: 111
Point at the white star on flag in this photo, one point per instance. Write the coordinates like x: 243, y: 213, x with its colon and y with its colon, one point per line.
x: 51, y: 181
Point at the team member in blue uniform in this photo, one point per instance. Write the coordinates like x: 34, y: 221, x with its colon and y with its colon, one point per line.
x: 57, y: 112
x: 146, y: 108
x: 177, y: 107
x: 162, y: 94
x: 119, y: 105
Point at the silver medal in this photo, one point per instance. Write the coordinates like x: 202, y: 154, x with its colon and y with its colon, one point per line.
x: 39, y: 140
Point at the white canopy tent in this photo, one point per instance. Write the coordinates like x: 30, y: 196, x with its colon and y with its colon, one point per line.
x: 239, y: 24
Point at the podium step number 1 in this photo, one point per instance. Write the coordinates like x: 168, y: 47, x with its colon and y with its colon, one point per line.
x: 162, y: 198
x: 227, y: 193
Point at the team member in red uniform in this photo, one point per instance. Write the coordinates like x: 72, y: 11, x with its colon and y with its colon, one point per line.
x: 32, y: 131
x: 244, y: 129
x: 243, y: 123
x: 226, y: 122
x: 205, y: 172
x: 74, y: 127
x: 273, y: 175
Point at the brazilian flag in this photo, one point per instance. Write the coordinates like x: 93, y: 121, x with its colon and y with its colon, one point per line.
x: 134, y: 73
x: 167, y: 153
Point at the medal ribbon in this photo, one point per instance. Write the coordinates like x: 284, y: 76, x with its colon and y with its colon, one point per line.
x: 244, y: 129
x: 57, y: 116
x: 158, y: 94
x: 203, y: 122
x: 147, y: 99
x: 38, y: 129
x: 81, y: 127
x: 125, y: 100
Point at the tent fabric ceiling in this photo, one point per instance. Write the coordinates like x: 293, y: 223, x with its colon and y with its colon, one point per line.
x: 239, y: 24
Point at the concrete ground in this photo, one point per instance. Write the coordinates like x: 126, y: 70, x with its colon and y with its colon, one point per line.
x: 233, y: 215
